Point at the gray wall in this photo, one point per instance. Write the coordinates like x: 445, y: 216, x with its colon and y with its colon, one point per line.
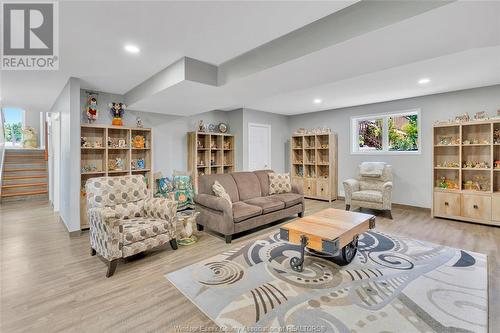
x: 68, y: 105
x: 412, y: 173
x: 169, y: 132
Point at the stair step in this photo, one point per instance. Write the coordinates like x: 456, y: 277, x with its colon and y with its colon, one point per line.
x: 24, y: 185
x: 16, y: 194
x: 24, y: 169
x: 24, y: 177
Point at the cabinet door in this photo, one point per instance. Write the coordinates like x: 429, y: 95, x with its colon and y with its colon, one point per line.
x: 322, y: 189
x: 310, y: 187
x: 476, y: 206
x: 446, y: 204
x: 495, y: 208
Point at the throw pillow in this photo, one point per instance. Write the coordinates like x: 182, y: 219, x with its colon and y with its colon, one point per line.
x: 184, y: 194
x: 279, y: 183
x: 220, y: 191
x: 164, y: 186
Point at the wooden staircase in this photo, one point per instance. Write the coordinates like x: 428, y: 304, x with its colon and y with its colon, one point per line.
x: 24, y: 175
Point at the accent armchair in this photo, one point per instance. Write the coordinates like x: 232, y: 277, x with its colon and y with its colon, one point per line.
x: 372, y: 189
x: 124, y: 220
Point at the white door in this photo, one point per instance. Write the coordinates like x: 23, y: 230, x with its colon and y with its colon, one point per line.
x: 259, y: 146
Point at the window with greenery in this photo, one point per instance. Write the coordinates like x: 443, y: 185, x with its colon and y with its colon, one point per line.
x: 386, y: 133
x: 13, y: 126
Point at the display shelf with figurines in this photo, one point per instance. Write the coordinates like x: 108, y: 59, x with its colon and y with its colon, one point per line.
x: 313, y: 162
x: 113, y: 151
x: 210, y: 152
x: 467, y: 191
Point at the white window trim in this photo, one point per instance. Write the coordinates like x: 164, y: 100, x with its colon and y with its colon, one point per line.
x: 385, y: 134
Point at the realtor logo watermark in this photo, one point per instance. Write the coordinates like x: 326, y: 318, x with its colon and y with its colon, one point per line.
x: 30, y: 36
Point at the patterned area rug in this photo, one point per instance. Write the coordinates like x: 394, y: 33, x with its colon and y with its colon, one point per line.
x: 394, y: 284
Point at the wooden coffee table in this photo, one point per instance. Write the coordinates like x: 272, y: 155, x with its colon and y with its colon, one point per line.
x: 331, y: 232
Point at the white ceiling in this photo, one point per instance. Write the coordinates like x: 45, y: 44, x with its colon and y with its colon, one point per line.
x: 93, y: 33
x: 457, y: 46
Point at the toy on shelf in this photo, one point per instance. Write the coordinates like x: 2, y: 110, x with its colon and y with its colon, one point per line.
x: 117, y: 111
x: 199, y: 144
x: 497, y: 164
x: 92, y: 112
x: 133, y: 164
x: 89, y: 168
x: 138, y: 122
x: 201, y: 162
x: 463, y: 118
x: 84, y: 142
x: 116, y: 165
x: 496, y: 136
x: 213, y: 145
x: 481, y: 115
x: 227, y: 145
x: 141, y: 164
x: 448, y: 165
x: 448, y: 140
x: 324, y: 146
x: 476, y: 165
x: 139, y: 141
x: 447, y: 184
x: 479, y: 183
x: 98, y: 143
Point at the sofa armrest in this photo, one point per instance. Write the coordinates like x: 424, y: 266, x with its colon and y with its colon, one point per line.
x: 350, y: 186
x: 214, y: 202
x: 297, y: 187
x: 105, y: 232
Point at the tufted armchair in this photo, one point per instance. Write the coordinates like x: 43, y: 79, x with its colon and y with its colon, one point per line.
x: 124, y: 220
x: 372, y: 189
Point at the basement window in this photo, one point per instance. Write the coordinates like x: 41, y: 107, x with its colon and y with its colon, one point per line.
x: 13, y: 123
x: 388, y: 133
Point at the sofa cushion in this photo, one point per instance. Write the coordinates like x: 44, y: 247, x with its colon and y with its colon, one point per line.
x: 367, y: 195
x: 263, y: 176
x: 243, y: 211
x: 206, y: 182
x: 268, y: 204
x: 248, y: 185
x: 138, y: 229
x: 290, y: 199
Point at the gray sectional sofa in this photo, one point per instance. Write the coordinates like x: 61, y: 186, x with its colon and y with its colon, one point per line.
x: 252, y: 206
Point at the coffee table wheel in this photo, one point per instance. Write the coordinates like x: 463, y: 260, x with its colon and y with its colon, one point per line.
x: 349, y: 252
x: 297, y: 264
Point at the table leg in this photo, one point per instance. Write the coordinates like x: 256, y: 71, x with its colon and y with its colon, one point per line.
x: 297, y: 263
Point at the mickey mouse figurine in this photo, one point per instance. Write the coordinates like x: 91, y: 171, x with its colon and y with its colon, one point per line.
x: 117, y: 111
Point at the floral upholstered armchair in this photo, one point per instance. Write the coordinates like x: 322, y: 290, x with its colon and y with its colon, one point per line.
x: 124, y: 220
x: 372, y: 189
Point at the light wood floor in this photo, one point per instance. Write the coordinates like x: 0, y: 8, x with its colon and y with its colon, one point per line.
x: 50, y: 283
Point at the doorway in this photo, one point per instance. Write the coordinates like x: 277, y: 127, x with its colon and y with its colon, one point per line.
x: 259, y: 146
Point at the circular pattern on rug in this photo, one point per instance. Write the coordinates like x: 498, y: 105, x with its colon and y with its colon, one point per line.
x: 317, y: 273
x: 219, y: 273
x: 392, y: 260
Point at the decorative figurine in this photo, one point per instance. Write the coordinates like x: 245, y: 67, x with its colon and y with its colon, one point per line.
x: 496, y: 136
x: 222, y: 128
x: 92, y: 112
x: 497, y: 164
x: 119, y: 164
x: 83, y: 142
x: 98, y: 143
x: 480, y: 115
x: 139, y: 141
x: 188, y: 222
x: 138, y: 122
x: 133, y: 164
x: 117, y: 111
x: 140, y: 163
x: 201, y: 126
x: 122, y: 143
x: 29, y: 138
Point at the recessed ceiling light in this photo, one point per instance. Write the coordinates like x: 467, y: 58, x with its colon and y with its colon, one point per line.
x: 132, y: 48
x: 318, y: 101
x: 425, y: 80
